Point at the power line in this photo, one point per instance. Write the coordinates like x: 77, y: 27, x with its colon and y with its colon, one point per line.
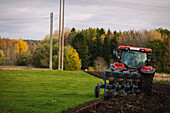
x: 129, y: 5
x: 18, y: 19
x: 137, y: 4
x: 124, y: 3
x: 101, y: 23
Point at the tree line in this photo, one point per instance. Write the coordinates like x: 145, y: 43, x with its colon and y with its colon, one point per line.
x: 87, y: 49
x: 96, y: 45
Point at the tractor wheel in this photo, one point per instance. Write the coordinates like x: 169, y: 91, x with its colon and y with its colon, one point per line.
x: 97, y: 91
x: 147, y: 84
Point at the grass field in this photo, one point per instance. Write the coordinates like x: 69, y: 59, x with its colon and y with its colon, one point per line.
x: 162, y: 78
x: 45, y: 91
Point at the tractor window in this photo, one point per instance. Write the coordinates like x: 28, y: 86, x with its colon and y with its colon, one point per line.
x: 133, y: 59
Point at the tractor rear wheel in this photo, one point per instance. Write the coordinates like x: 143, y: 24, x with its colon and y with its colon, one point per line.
x: 97, y: 91
x: 147, y: 81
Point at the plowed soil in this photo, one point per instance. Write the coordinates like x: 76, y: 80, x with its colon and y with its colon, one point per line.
x: 159, y: 102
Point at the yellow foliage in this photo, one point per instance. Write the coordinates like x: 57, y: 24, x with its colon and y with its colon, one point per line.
x: 90, y: 69
x: 17, y: 46
x: 102, y: 37
x: 71, y: 59
x: 23, y: 46
x: 155, y: 35
x: 119, y: 40
x: 94, y: 39
x: 14, y: 40
x: 2, y: 56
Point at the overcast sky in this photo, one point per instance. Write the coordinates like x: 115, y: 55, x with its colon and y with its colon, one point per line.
x: 29, y: 19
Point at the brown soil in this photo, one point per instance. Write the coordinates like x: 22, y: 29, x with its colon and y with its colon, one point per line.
x: 159, y: 102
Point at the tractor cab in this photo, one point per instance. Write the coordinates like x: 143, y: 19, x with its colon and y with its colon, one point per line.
x: 131, y: 57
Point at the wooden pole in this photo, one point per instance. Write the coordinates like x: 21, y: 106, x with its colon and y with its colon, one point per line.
x: 51, y: 39
x: 62, y: 56
x: 59, y: 41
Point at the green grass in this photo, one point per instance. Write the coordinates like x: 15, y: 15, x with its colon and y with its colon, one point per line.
x: 44, y: 91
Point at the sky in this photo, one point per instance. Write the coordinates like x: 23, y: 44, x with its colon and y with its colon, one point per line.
x: 30, y: 19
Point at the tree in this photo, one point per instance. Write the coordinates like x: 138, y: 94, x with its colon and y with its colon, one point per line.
x: 167, y: 53
x: 139, y: 38
x: 96, y: 49
x: 79, y: 43
x: 1, y: 56
x: 23, y: 46
x: 163, y: 31
x: 100, y: 31
x: 24, y: 59
x: 41, y: 55
x: 100, y: 64
x: 114, y: 43
x: 106, y: 50
x: 73, y: 29
x: 158, y: 52
x: 71, y: 36
x: 71, y: 59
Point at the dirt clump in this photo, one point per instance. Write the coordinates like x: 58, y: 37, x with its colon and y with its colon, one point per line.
x: 159, y: 102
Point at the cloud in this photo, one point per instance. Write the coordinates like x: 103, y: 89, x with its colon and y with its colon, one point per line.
x: 26, y: 18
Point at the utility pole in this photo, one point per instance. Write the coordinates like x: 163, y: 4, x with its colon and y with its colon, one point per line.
x: 62, y: 56
x: 59, y: 43
x: 51, y: 39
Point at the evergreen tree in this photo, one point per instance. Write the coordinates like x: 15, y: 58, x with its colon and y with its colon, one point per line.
x: 79, y: 43
x: 158, y: 52
x: 68, y: 40
x: 114, y: 44
x: 96, y: 49
x: 106, y: 50
x: 73, y: 29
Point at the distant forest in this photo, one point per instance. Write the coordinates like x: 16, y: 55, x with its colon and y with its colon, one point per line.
x: 86, y: 49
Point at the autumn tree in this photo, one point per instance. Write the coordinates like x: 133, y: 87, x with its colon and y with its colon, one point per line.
x: 1, y: 56
x: 139, y: 38
x: 71, y: 59
x: 32, y: 45
x: 23, y: 46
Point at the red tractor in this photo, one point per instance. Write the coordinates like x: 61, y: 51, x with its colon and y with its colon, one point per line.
x: 132, y: 73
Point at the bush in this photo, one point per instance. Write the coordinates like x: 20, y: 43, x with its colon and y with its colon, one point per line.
x: 71, y: 59
x: 41, y: 56
x: 55, y: 61
x: 90, y: 69
x: 1, y: 56
x: 24, y: 59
